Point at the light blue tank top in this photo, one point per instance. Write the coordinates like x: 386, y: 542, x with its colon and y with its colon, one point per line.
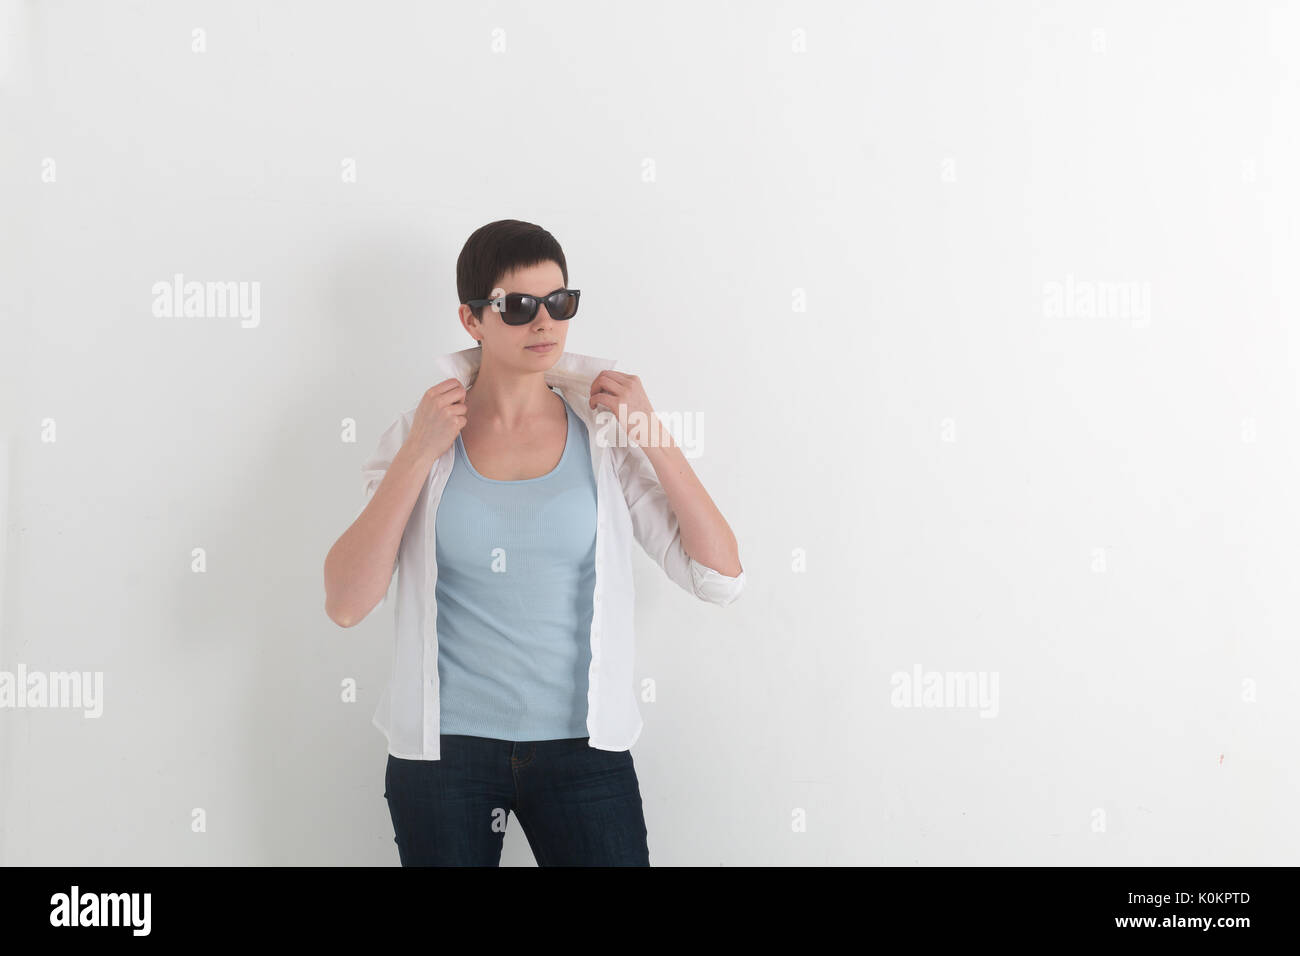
x: 516, y: 575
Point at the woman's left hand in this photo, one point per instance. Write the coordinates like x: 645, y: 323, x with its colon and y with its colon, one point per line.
x: 611, y: 389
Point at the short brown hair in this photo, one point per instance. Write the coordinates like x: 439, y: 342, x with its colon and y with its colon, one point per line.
x: 500, y: 247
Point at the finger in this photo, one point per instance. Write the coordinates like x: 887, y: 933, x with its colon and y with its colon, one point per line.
x: 451, y: 399
x: 604, y: 400
x: 606, y: 385
x: 602, y: 395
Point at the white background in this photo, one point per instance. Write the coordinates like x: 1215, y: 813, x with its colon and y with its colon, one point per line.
x: 1100, y: 510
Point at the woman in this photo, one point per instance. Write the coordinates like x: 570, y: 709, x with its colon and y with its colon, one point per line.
x: 509, y: 496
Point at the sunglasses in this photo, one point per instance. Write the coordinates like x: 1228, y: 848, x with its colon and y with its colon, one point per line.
x: 516, y: 308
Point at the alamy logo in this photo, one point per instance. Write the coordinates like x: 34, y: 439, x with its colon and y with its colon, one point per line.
x: 685, y: 429
x: 57, y: 689
x: 947, y: 689
x: 208, y: 300
x: 102, y: 909
x: 1098, y: 299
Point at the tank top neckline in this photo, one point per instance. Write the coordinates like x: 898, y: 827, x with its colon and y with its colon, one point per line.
x: 564, y: 455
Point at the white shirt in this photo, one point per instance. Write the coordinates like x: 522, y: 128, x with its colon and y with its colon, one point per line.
x: 630, y: 504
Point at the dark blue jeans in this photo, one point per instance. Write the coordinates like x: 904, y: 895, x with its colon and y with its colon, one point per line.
x: 578, y: 806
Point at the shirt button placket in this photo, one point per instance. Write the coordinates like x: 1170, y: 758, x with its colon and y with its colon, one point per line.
x: 595, y: 597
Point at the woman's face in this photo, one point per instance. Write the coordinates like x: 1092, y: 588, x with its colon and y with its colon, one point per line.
x: 509, y: 344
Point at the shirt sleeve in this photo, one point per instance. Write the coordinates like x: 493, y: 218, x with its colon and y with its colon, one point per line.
x: 654, y: 523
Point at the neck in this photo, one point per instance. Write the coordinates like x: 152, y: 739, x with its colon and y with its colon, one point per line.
x: 507, y: 398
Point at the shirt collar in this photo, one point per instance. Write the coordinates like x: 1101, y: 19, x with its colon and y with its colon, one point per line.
x: 571, y: 368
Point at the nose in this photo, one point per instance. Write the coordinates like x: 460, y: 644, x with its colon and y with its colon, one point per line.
x: 542, y: 319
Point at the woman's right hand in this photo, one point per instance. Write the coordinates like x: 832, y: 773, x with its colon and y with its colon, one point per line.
x: 438, y: 420
x: 359, y: 567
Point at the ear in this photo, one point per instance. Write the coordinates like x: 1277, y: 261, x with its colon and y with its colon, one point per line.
x: 467, y: 319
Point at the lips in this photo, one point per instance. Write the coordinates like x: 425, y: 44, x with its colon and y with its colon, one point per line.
x: 541, y: 347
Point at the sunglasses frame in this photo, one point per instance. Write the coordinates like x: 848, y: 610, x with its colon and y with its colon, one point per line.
x: 537, y: 304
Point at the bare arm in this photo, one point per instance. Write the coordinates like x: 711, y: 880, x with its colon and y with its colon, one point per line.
x: 706, y: 536
x: 359, y: 567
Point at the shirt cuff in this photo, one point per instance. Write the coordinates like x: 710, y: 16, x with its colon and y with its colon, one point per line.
x: 714, y: 587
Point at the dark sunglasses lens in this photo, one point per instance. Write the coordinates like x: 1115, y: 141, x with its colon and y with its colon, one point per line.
x: 563, y: 305
x: 519, y: 309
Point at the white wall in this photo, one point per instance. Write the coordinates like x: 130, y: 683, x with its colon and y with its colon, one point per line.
x: 1098, y: 510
